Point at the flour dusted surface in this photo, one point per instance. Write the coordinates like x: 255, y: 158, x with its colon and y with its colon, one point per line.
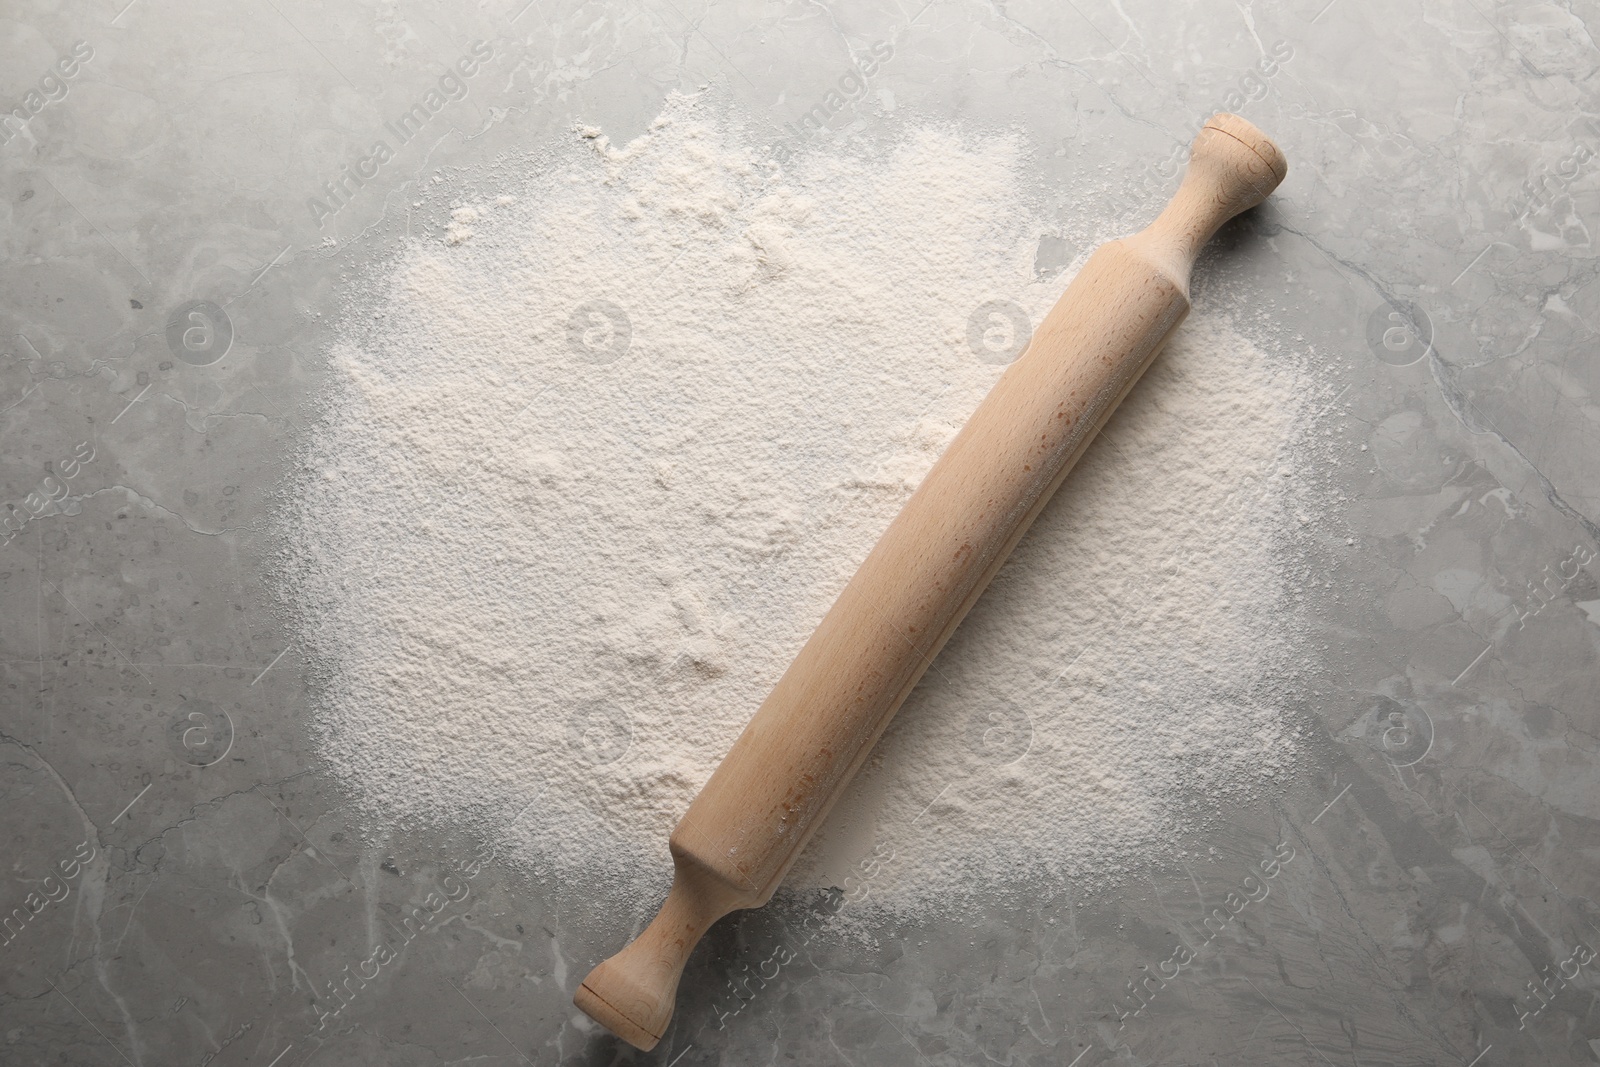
x: 599, y: 454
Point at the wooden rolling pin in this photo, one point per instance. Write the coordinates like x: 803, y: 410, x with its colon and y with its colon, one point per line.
x: 748, y: 824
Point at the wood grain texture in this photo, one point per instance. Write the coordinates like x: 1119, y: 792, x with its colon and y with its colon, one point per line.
x: 750, y: 821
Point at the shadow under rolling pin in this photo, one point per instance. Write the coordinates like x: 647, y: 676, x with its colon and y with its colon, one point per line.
x: 774, y: 787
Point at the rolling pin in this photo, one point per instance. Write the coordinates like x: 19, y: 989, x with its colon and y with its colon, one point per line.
x: 748, y: 824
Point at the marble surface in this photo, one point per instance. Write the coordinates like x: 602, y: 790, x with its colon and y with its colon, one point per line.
x: 182, y: 882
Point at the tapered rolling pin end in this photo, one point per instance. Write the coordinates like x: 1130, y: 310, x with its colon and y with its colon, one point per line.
x: 1232, y: 167
x: 645, y: 1018
x: 1243, y: 161
x: 633, y: 993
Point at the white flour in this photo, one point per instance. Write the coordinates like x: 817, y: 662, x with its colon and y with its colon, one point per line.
x: 549, y: 559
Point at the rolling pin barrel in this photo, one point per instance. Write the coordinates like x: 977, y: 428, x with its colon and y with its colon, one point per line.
x: 749, y: 823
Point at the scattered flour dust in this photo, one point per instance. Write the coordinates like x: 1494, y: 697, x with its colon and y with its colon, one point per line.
x: 596, y: 457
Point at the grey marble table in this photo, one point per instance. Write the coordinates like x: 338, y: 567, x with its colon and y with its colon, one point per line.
x: 181, y: 886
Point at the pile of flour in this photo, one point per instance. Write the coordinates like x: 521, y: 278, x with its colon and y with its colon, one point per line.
x: 599, y: 453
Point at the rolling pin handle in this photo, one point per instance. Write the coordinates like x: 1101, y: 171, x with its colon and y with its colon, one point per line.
x: 1232, y: 167
x: 633, y: 993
